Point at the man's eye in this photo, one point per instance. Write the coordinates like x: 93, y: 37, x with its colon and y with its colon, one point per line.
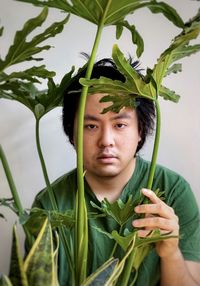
x: 120, y: 125
x: 90, y: 126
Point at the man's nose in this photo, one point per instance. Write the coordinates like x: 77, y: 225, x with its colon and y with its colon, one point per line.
x: 106, y: 137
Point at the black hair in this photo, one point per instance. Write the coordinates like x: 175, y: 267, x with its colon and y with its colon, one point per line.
x: 145, y: 109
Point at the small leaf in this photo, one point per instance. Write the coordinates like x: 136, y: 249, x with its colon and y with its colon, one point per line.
x: 168, y: 94
x: 118, y: 210
x: 174, y: 69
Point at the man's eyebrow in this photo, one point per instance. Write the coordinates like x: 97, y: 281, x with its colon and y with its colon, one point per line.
x: 123, y: 115
x: 90, y: 117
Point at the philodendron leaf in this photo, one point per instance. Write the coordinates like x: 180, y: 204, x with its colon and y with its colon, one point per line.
x: 37, y: 217
x: 5, y: 281
x: 39, y: 102
x: 39, y: 263
x: 120, y: 211
x: 102, y: 274
x: 23, y: 50
x: 179, y: 49
x: 136, y: 38
x: 112, y: 12
x: 17, y: 273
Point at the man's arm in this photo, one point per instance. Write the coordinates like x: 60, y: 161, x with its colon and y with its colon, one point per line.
x: 174, y: 269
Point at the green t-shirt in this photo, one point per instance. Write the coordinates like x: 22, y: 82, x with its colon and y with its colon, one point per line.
x: 177, y: 194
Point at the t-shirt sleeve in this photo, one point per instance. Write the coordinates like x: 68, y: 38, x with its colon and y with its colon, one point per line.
x: 186, y: 208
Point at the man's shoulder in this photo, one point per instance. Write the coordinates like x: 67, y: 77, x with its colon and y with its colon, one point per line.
x: 67, y: 180
x: 163, y: 173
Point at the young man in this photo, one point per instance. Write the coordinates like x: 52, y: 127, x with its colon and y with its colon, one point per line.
x: 113, y: 171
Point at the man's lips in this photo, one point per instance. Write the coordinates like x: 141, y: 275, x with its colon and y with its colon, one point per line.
x: 106, y: 158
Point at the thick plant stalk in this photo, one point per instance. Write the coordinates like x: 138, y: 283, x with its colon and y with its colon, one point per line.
x: 156, y: 146
x: 53, y: 202
x: 128, y: 267
x: 81, y: 228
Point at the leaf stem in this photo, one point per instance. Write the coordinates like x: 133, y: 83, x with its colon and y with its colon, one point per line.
x: 11, y: 182
x: 156, y: 146
x: 81, y: 228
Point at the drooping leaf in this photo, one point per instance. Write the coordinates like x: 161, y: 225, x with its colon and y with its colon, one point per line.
x: 40, y: 260
x: 31, y: 74
x: 37, y: 217
x: 136, y: 38
x: 5, y: 281
x: 102, y: 274
x: 17, y: 273
x: 23, y: 50
x: 39, y: 102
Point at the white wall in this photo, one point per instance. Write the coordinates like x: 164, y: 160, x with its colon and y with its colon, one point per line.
x: 180, y: 137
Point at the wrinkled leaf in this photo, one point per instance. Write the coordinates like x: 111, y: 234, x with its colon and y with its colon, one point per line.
x: 168, y: 94
x: 102, y: 274
x: 174, y: 69
x: 17, y: 273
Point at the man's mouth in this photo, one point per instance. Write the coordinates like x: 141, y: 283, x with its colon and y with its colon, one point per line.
x: 107, y: 158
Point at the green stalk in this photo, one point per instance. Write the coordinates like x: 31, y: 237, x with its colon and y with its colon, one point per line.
x: 53, y: 200
x: 44, y: 169
x: 11, y: 182
x: 13, y: 190
x: 81, y: 228
x: 156, y: 146
x: 128, y: 267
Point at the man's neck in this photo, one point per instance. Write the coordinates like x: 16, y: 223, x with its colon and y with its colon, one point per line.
x: 110, y: 187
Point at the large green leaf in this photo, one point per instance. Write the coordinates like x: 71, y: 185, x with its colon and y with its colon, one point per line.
x: 23, y: 50
x: 112, y: 12
x: 39, y: 264
x: 17, y: 273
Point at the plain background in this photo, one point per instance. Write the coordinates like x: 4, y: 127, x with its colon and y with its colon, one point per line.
x: 180, y: 135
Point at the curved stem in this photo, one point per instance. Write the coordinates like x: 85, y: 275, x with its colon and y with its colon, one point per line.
x: 11, y: 182
x: 44, y: 169
x: 81, y: 229
x: 156, y: 146
x: 115, y: 246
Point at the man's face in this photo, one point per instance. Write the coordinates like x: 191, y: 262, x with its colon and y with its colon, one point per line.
x: 110, y: 139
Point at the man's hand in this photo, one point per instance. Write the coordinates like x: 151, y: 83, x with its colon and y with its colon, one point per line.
x: 158, y: 215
